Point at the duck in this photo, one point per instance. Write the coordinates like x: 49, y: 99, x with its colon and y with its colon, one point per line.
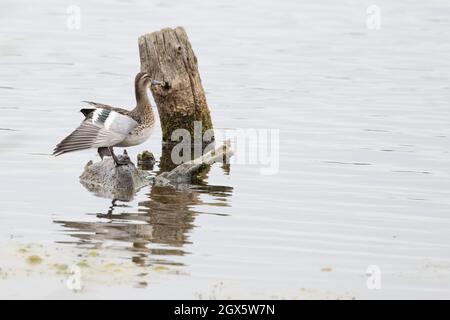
x: 105, y: 127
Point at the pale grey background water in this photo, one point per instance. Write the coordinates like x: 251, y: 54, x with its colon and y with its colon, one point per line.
x: 364, y: 151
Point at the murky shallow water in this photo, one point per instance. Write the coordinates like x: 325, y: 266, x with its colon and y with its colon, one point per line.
x: 364, y: 153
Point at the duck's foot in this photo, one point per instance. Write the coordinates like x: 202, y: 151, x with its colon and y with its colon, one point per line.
x: 116, y: 160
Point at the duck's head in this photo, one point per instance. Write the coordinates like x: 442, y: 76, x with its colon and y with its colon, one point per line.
x: 144, y: 81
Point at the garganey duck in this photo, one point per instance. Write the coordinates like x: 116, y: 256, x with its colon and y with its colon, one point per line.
x: 105, y: 127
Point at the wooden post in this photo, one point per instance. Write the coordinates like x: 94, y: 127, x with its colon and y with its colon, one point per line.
x: 167, y: 55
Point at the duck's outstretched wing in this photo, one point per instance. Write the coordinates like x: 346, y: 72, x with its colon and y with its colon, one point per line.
x: 88, y: 111
x: 105, y: 128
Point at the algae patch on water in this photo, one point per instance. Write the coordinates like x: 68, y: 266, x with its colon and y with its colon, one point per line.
x: 60, y: 268
x: 93, y: 253
x: 83, y: 264
x: 159, y: 268
x: 34, y: 259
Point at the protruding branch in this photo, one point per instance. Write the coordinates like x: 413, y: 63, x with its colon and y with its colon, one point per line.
x: 184, y: 172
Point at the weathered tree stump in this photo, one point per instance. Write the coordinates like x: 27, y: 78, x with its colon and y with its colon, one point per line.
x: 167, y: 55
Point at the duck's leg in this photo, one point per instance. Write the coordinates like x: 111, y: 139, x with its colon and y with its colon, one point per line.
x: 103, y: 151
x: 116, y: 160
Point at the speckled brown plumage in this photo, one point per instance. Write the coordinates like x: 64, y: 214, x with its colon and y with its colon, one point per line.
x: 106, y: 126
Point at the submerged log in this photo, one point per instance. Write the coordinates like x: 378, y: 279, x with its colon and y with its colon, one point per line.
x: 167, y: 55
x: 107, y: 180
x: 185, y: 171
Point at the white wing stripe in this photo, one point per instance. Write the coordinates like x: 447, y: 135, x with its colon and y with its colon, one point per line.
x: 113, y: 121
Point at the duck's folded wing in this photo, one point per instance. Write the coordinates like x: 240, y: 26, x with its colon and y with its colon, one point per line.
x: 105, y: 128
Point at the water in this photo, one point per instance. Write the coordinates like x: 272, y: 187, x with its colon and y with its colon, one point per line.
x: 363, y: 168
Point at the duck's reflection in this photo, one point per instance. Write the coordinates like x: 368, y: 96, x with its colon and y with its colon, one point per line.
x: 158, y: 229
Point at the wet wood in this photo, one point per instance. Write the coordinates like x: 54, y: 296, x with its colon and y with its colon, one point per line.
x: 185, y: 171
x: 167, y: 55
x: 107, y: 180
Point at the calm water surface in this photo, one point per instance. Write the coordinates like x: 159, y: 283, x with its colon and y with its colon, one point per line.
x: 364, y: 164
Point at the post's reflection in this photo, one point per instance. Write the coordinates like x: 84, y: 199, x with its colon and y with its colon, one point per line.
x: 157, y: 231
